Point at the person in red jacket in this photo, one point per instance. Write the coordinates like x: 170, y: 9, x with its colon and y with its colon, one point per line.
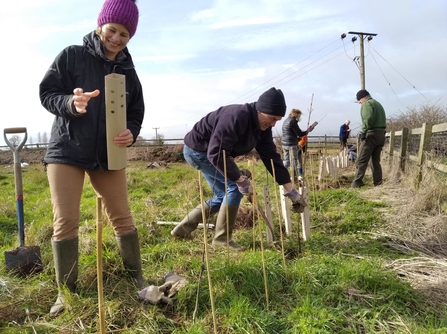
x: 235, y: 129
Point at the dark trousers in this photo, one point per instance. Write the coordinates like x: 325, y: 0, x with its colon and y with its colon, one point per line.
x: 370, y: 150
x: 343, y: 143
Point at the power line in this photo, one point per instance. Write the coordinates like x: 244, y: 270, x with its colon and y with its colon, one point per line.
x: 389, y: 84
x: 413, y: 86
x: 288, y: 69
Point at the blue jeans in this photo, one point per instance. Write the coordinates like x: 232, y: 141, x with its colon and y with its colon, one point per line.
x: 215, y: 180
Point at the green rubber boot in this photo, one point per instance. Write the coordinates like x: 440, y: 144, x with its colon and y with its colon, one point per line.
x: 190, y: 222
x: 223, y: 237
x: 130, y: 253
x: 65, y: 256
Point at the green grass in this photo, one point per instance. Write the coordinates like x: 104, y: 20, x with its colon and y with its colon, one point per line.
x: 337, y: 284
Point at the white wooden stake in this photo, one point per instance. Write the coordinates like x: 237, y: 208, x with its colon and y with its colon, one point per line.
x: 285, y: 211
x: 321, y: 169
x: 305, y: 216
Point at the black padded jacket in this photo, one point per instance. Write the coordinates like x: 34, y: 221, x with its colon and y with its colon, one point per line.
x: 80, y: 139
x: 235, y: 129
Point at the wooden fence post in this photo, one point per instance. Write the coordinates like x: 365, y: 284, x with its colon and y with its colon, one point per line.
x: 391, y: 147
x: 403, y: 148
x: 424, y: 146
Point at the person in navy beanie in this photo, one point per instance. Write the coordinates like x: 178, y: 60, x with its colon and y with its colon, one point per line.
x: 73, y: 91
x: 235, y: 129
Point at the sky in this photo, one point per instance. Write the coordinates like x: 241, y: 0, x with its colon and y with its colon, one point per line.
x: 194, y: 56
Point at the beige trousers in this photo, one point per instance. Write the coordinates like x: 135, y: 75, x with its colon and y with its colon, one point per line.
x: 66, y: 185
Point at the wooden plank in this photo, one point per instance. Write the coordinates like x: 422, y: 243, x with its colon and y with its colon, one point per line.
x: 115, y: 95
x: 439, y: 128
x: 436, y: 165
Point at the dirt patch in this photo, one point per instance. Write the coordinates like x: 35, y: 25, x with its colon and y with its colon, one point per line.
x: 30, y: 156
x: 138, y: 153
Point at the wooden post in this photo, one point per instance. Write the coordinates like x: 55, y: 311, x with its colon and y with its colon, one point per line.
x: 391, y: 147
x: 403, y: 148
x: 116, y: 119
x: 424, y: 146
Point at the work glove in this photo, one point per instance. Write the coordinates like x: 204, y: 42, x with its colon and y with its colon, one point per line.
x: 162, y: 294
x: 296, y: 198
x: 177, y: 282
x: 244, y: 185
x: 245, y: 172
x: 156, y: 294
x: 297, y: 207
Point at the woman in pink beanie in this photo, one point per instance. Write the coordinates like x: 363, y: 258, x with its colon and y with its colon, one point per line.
x: 73, y: 91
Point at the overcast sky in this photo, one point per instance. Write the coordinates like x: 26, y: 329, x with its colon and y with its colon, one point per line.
x: 195, y: 56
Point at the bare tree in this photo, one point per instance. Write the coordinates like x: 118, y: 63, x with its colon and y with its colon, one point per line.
x: 414, y: 117
x: 159, y: 139
x: 15, y: 140
x: 139, y: 141
x: 44, y: 138
x: 39, y: 138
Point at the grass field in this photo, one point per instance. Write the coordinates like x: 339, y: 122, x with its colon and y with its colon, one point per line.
x: 352, y: 276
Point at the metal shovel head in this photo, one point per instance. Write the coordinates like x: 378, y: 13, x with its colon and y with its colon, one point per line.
x: 24, y: 260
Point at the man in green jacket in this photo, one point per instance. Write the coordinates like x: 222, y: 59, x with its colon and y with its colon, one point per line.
x: 372, y: 137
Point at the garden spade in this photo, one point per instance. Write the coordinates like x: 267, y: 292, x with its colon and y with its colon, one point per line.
x: 24, y: 260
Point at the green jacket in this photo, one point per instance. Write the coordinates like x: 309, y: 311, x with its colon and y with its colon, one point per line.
x: 373, y: 116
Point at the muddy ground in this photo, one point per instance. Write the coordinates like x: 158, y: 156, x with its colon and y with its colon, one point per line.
x: 149, y: 154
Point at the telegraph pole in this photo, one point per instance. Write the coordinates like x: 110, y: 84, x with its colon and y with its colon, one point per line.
x: 156, y: 136
x: 362, y: 36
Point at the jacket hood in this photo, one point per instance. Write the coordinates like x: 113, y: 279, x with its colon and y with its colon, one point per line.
x: 93, y: 45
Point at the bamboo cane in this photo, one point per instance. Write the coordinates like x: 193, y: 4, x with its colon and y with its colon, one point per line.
x: 102, y: 322
x: 308, y: 121
x: 208, y: 271
x: 255, y: 204
x: 226, y: 206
